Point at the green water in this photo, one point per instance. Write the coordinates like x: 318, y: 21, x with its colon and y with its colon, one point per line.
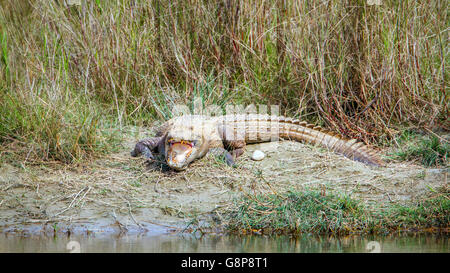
x: 169, y: 243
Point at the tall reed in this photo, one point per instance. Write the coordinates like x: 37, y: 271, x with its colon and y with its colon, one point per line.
x: 67, y: 71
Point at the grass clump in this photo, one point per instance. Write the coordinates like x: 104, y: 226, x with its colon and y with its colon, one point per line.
x: 312, y: 212
x: 428, y: 150
x: 298, y: 212
x: 429, y: 213
x: 42, y: 131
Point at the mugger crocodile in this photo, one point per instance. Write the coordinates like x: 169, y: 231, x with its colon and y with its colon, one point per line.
x: 186, y: 138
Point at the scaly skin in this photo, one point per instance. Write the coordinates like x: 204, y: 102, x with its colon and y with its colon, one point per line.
x: 184, y: 139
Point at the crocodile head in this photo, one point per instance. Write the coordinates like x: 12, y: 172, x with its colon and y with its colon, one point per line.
x: 180, y: 152
x: 184, y: 143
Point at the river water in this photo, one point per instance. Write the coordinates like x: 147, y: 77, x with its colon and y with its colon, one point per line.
x: 180, y: 243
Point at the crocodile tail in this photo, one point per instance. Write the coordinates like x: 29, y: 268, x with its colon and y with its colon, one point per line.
x: 351, y: 148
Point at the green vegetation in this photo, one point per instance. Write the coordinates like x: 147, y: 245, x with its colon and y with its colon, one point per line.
x: 68, y: 74
x: 296, y: 212
x: 313, y: 212
x: 434, y: 212
x: 429, y: 150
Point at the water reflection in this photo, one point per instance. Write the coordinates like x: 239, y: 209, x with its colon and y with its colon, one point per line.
x: 214, y: 243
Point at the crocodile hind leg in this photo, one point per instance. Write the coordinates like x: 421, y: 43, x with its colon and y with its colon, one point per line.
x: 227, y: 156
x: 232, y: 142
x: 147, y: 147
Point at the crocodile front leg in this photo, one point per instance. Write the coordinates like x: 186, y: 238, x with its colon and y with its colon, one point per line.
x: 147, y: 147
